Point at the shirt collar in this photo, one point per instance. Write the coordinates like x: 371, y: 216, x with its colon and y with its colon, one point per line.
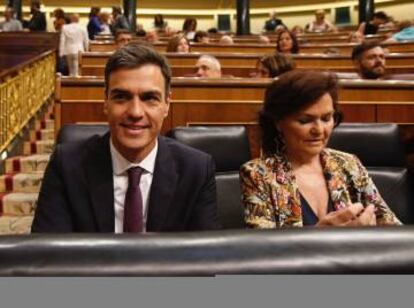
x: 120, y: 164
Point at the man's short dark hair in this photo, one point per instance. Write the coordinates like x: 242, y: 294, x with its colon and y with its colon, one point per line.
x: 116, y: 10
x: 118, y: 32
x: 35, y: 3
x: 134, y: 56
x: 380, y: 15
x: 361, y: 48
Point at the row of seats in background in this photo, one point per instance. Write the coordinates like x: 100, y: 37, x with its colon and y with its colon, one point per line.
x: 244, y: 64
x: 308, y: 48
x: 229, y: 147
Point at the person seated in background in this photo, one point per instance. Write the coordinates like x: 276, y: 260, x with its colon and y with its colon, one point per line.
x: 119, y: 21
x: 10, y: 23
x: 274, y: 65
x: 201, y: 37
x: 405, y: 33
x: 190, y: 28
x: 178, y: 43
x: 287, y: 42
x: 122, y: 37
x: 73, y: 39
x: 369, y: 60
x: 298, y: 181
x: 372, y: 27
x: 272, y: 22
x: 356, y: 37
x: 159, y: 23
x: 226, y: 40
x: 131, y: 179
x: 320, y: 24
x: 208, y: 67
x: 152, y: 37
x: 297, y: 30
x: 263, y: 40
x: 140, y: 31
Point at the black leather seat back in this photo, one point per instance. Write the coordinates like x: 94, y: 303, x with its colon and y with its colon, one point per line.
x: 378, y: 147
x: 394, y: 185
x: 79, y: 132
x: 228, y: 145
x: 375, y: 144
x: 230, y: 208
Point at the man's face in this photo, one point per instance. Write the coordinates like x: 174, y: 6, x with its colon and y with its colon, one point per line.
x: 205, y: 68
x: 123, y: 39
x: 371, y: 65
x: 8, y: 14
x: 136, y: 107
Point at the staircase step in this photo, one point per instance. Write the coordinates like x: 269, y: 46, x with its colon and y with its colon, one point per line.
x: 21, y: 182
x: 42, y: 134
x: 27, y: 164
x: 18, y: 204
x: 15, y: 224
x: 38, y: 147
x: 45, y: 124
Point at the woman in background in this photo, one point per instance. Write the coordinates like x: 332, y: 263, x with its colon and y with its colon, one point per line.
x: 178, y: 43
x: 287, y: 42
x: 159, y: 23
x: 60, y: 19
x: 299, y: 181
x: 189, y: 28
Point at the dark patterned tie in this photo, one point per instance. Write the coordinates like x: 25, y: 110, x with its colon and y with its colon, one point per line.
x: 133, y: 208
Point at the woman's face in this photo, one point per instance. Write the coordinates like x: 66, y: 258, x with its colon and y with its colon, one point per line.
x: 285, y: 42
x: 183, y: 46
x: 261, y: 71
x: 307, y: 132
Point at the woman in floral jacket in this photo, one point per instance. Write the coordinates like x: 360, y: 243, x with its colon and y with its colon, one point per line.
x: 298, y: 181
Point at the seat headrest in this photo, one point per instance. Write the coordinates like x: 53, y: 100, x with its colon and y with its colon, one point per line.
x: 228, y: 145
x: 80, y: 132
x: 375, y: 144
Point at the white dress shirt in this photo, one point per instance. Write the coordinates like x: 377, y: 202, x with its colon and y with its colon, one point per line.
x: 120, y: 165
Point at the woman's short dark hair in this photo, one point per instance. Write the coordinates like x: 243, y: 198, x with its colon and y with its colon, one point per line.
x: 295, y: 43
x: 133, y: 56
x: 290, y: 93
x: 277, y: 64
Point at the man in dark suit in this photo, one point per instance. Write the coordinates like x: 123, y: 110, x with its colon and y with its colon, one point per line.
x: 38, y: 20
x: 88, y: 186
x: 273, y: 22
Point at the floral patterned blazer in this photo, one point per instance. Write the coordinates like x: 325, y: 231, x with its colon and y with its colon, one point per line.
x: 271, y: 195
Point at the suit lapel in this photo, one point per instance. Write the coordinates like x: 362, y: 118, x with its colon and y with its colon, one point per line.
x: 288, y: 200
x: 162, y: 188
x: 100, y: 181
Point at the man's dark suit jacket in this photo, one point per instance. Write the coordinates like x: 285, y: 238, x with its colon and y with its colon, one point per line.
x: 271, y: 24
x: 77, y: 192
